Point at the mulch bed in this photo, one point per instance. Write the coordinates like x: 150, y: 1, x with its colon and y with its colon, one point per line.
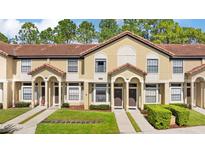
x: 73, y: 121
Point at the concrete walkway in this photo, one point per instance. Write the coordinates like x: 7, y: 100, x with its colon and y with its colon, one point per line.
x: 141, y: 121
x: 30, y: 126
x: 24, y: 116
x: 200, y: 110
x: 123, y: 122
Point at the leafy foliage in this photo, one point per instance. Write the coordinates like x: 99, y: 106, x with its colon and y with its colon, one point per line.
x: 158, y: 116
x: 46, y: 36
x: 86, y: 32
x: 3, y: 38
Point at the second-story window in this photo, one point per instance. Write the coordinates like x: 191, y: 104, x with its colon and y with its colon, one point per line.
x: 100, y: 65
x: 72, y: 65
x: 25, y: 65
x: 177, y: 66
x: 152, y: 65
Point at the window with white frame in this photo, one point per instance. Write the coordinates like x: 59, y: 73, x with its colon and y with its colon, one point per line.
x: 101, y: 93
x: 72, y: 65
x: 100, y: 65
x: 26, y: 92
x: 176, y: 92
x: 74, y: 92
x: 25, y: 65
x: 152, y: 65
x: 151, y: 93
x: 177, y: 66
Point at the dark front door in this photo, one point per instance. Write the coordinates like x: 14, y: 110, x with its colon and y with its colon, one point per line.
x: 132, y: 97
x: 43, y: 96
x: 56, y: 95
x: 118, y: 97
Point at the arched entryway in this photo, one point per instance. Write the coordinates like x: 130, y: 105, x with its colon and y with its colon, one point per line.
x: 39, y: 94
x: 119, y: 93
x: 199, y: 91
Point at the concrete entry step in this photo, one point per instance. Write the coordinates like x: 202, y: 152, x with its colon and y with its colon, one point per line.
x: 123, y: 122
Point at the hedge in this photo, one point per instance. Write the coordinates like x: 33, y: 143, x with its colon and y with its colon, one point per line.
x: 22, y: 104
x: 158, y: 116
x: 180, y: 105
x: 181, y: 114
x: 1, y: 105
x: 99, y: 107
x: 65, y: 105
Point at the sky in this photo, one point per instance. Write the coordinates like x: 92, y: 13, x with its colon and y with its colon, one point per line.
x: 10, y: 27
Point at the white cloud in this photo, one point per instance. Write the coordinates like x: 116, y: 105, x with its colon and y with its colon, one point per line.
x: 10, y: 27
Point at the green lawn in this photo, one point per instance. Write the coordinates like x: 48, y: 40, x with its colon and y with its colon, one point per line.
x: 134, y: 124
x: 196, y: 119
x: 8, y: 114
x: 107, y: 126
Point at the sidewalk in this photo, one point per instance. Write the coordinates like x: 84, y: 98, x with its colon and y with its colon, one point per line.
x: 142, y: 122
x: 30, y: 126
x: 123, y: 122
x: 24, y: 116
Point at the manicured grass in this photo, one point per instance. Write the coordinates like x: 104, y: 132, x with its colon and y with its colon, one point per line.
x: 8, y: 114
x: 196, y: 119
x: 134, y: 124
x: 107, y: 126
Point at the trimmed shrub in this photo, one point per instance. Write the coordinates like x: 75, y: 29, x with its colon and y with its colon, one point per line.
x: 158, y: 116
x: 99, y: 107
x: 22, y: 104
x: 180, y: 105
x: 181, y: 114
x: 1, y: 105
x: 65, y: 105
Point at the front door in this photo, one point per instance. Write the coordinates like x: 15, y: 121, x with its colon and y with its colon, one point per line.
x: 118, y: 98
x: 43, y: 95
x: 132, y: 97
x: 56, y: 95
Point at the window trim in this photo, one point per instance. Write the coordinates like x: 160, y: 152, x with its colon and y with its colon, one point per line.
x: 181, y: 90
x: 152, y: 65
x: 79, y: 94
x: 27, y: 66
x: 157, y: 93
x: 77, y: 66
x: 22, y: 92
x: 177, y: 66
x: 102, y: 59
x: 107, y: 94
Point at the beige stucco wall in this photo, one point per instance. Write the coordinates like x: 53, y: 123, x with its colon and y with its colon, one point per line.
x: 3, y: 67
x: 141, y: 52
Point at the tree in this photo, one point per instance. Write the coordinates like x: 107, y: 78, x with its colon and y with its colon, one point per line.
x: 86, y: 32
x: 65, y: 31
x: 108, y: 29
x: 46, y: 36
x: 131, y: 25
x: 28, y: 34
x: 3, y: 38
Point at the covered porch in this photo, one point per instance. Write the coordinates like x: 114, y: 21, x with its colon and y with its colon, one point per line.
x: 127, y: 87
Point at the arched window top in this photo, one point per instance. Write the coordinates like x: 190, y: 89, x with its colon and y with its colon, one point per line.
x: 126, y: 50
x: 152, y: 55
x: 100, y: 55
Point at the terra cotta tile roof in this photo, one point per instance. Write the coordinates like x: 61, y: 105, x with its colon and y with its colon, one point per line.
x: 62, y: 73
x: 127, y: 65
x: 185, y: 50
x: 196, y: 69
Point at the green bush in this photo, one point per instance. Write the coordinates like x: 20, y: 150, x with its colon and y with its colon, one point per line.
x: 22, y: 104
x: 65, y: 105
x: 158, y: 116
x: 181, y: 114
x: 99, y: 107
x: 1, y: 105
x: 180, y: 105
